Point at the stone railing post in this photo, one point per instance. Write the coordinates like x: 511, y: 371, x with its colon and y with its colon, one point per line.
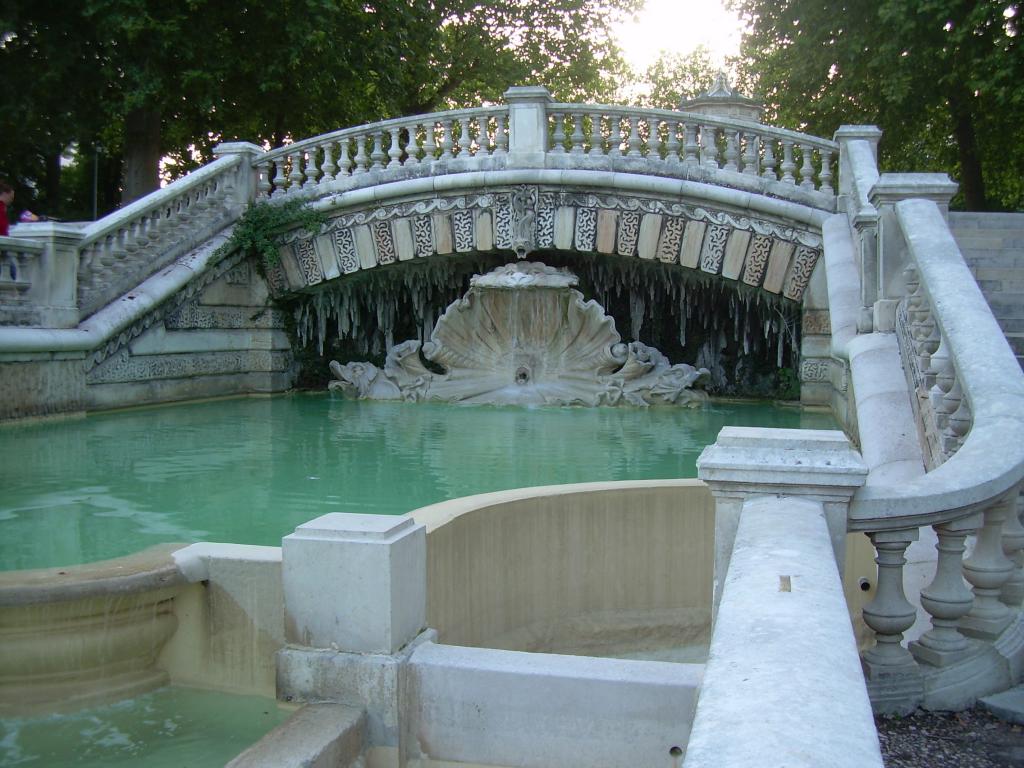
x: 988, y: 569
x: 747, y: 462
x: 355, y: 608
x: 244, y: 191
x: 892, y: 253
x: 54, y: 275
x: 858, y: 172
x: 527, y: 125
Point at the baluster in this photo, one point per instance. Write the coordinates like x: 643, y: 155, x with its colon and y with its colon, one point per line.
x: 328, y: 168
x: 312, y: 172
x: 987, y: 569
x: 139, y: 237
x: 483, y: 139
x: 942, y: 369
x: 280, y: 179
x: 295, y: 177
x: 377, y: 156
x: 1012, y: 592
x: 709, y: 147
x: 890, y: 614
x: 430, y: 143
x: 362, y: 159
x: 465, y: 140
x: 344, y: 158
x: 690, y: 145
x: 576, y: 142
x: 769, y: 161
x: 959, y: 423
x: 928, y: 348
x: 750, y: 154
x: 394, y: 151
x: 788, y: 166
x: 558, y: 139
x: 732, y: 152
x: 412, y: 145
x: 500, y: 139
x: 446, y: 142
x: 947, y: 599
x: 634, y: 137
x: 263, y: 185
x: 806, y: 167
x: 615, y: 142
x: 596, y: 139
x: 672, y: 142
x: 825, y: 175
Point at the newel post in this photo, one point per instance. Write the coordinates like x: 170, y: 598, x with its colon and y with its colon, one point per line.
x: 527, y: 125
x: 244, y: 191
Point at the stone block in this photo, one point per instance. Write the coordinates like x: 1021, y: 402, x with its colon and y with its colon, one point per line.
x: 650, y: 229
x: 355, y: 582
x: 693, y: 239
x: 606, y: 221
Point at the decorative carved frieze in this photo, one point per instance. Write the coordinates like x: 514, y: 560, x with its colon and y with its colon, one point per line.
x: 713, y: 250
x: 384, y: 241
x: 125, y: 367
x: 816, y: 322
x: 195, y: 316
x: 817, y: 370
x: 423, y: 235
x: 305, y: 256
x: 546, y: 205
x: 671, y: 239
x: 462, y: 226
x: 629, y: 230
x: 586, y: 229
x: 800, y: 272
x: 757, y: 259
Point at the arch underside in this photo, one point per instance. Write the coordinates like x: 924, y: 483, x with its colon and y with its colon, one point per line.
x: 757, y: 251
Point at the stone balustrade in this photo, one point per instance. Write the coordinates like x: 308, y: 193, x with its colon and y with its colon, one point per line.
x: 119, y: 250
x: 19, y: 266
x: 455, y: 140
x: 967, y: 393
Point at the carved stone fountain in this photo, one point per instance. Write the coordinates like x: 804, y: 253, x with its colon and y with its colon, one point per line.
x: 522, y: 335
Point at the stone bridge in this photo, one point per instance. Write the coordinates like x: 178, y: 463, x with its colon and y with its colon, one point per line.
x: 145, y: 306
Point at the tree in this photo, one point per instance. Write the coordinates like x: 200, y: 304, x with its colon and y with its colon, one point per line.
x: 151, y: 80
x: 940, y: 77
x: 676, y: 76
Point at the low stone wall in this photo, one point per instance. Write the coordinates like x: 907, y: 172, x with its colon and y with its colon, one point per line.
x: 597, y: 568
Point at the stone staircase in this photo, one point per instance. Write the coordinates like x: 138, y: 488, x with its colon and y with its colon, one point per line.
x: 993, y: 246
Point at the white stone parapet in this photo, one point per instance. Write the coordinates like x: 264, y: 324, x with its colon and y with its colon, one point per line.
x: 783, y: 683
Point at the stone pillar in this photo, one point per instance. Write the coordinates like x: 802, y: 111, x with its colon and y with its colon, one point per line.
x: 527, y: 125
x: 746, y: 462
x: 355, y: 609
x: 891, y: 259
x: 244, y: 191
x: 54, y: 276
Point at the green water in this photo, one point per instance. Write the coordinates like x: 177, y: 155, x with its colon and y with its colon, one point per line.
x: 169, y: 728
x: 251, y: 469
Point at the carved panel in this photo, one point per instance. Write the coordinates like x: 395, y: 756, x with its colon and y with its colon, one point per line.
x: 305, y: 256
x: 713, y: 250
x: 816, y: 370
x: 629, y: 230
x: 671, y: 239
x: 546, y: 221
x: 240, y: 275
x: 345, y: 246
x: 124, y: 367
x: 816, y: 322
x: 194, y: 316
x: 462, y: 224
x: 276, y: 279
x: 757, y: 259
x: 423, y: 235
x: 385, y: 242
x: 503, y: 223
x: 585, y: 238
x: 800, y: 272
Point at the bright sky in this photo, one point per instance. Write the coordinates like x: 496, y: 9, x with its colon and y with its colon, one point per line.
x: 679, y: 26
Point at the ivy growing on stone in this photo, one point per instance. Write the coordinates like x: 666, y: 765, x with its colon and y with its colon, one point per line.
x: 256, y: 232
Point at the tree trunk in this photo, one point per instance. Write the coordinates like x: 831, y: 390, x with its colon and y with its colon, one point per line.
x: 141, y: 154
x: 971, y: 182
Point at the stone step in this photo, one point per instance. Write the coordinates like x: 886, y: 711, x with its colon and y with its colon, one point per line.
x: 1005, y: 259
x: 1016, y: 343
x: 1006, y: 306
x: 971, y: 220
x: 1011, y: 324
x: 984, y: 240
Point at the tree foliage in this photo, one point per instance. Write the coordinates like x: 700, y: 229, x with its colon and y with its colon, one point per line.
x: 141, y: 80
x: 940, y: 77
x: 677, y: 76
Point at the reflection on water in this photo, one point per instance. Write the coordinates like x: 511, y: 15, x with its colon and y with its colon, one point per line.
x: 250, y: 470
x: 169, y: 727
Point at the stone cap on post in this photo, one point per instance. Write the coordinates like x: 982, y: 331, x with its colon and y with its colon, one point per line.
x: 722, y: 100
x: 753, y: 461
x: 355, y: 583
x: 893, y: 187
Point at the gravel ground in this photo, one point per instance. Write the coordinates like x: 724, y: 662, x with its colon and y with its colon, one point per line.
x: 971, y: 739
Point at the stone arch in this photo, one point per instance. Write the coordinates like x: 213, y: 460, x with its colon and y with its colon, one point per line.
x: 755, y: 249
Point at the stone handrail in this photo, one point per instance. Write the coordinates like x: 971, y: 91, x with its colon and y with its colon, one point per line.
x: 399, y: 144
x: 982, y: 390
x: 667, y: 140
x: 119, y: 250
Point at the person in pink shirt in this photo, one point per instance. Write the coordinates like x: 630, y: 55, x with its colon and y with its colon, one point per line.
x: 6, y: 198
